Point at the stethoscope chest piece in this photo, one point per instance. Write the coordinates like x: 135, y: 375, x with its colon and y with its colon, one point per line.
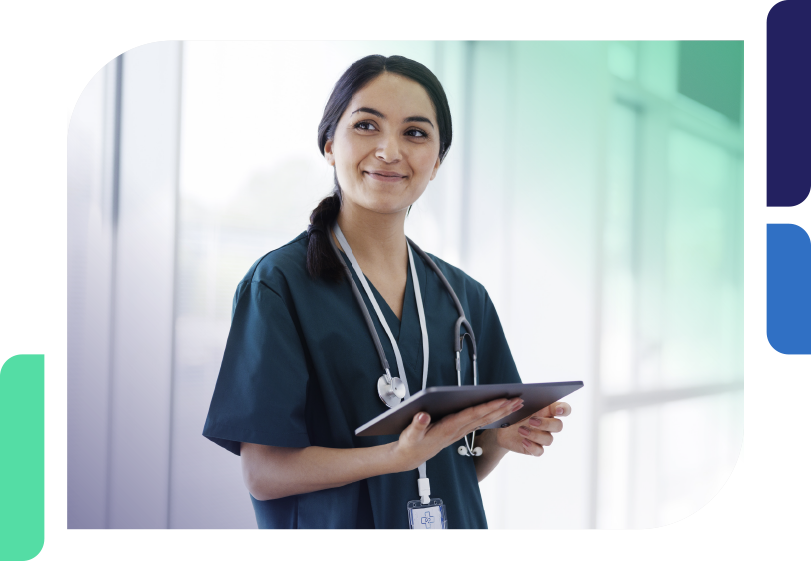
x: 392, y: 392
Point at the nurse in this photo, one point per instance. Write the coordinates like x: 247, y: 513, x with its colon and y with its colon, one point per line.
x: 300, y: 369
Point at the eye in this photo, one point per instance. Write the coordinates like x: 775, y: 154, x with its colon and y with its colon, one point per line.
x: 365, y: 126
x: 418, y: 133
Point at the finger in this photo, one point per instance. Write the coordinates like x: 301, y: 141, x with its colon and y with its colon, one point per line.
x: 562, y: 409
x: 532, y: 448
x: 487, y: 420
x: 550, y: 424
x: 469, y: 419
x: 557, y: 409
x: 493, y: 416
x: 538, y: 436
x: 488, y: 409
x: 452, y: 423
x: 419, y: 424
x: 478, y: 412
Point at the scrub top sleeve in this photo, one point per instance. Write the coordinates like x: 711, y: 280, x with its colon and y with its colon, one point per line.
x: 262, y: 386
x: 496, y: 365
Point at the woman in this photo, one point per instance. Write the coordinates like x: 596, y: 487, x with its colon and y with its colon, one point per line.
x: 299, y: 366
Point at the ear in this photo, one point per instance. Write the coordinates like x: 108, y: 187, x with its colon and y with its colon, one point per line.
x: 436, y: 167
x: 328, y: 152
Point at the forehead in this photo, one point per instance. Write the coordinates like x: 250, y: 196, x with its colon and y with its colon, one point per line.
x: 394, y: 96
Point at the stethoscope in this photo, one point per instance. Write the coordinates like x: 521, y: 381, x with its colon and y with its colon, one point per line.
x: 393, y: 389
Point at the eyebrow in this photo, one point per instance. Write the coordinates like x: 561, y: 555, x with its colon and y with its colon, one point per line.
x: 412, y: 119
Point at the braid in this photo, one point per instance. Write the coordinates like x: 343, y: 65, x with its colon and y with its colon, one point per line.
x: 322, y: 261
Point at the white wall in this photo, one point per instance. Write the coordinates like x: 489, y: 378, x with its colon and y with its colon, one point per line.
x: 90, y: 240
x: 122, y: 185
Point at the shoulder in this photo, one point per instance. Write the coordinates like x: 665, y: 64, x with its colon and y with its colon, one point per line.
x: 280, y: 268
x: 467, y: 288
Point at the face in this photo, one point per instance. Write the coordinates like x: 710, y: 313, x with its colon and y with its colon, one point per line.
x: 386, y: 145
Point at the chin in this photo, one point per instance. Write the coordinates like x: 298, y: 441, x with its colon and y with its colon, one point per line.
x: 383, y: 208
x: 384, y: 203
x: 387, y: 209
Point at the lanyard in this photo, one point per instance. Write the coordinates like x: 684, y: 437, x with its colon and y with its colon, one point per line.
x: 420, y: 312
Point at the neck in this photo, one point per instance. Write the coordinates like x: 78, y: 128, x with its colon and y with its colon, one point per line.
x: 377, y: 240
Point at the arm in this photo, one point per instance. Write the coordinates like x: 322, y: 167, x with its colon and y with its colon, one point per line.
x: 492, y: 454
x: 273, y: 472
x: 529, y: 436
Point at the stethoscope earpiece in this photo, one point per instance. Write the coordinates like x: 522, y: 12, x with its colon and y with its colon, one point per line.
x: 463, y: 451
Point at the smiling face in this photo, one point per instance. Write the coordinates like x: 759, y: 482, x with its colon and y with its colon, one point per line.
x: 386, y: 145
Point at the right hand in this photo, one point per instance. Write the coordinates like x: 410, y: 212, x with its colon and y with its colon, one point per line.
x: 422, y: 440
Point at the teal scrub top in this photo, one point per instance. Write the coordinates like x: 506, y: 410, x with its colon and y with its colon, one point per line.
x: 300, y: 369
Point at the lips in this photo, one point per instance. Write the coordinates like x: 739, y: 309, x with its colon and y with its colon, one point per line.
x: 387, y: 174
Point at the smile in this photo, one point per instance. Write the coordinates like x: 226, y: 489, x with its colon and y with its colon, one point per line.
x: 385, y: 177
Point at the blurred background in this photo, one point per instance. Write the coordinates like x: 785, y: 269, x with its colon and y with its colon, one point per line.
x: 594, y: 188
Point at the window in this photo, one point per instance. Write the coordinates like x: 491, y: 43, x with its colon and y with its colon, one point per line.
x: 670, y: 380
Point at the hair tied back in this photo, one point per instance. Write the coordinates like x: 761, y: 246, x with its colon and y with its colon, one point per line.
x: 313, y: 228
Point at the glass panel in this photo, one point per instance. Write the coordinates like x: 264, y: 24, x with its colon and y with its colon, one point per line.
x: 712, y: 73
x: 618, y: 298
x: 614, y: 454
x: 698, y: 446
x: 623, y: 59
x: 703, y: 283
x: 659, y: 464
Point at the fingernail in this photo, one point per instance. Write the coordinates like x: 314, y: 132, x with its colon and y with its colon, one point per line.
x: 422, y: 418
x: 524, y: 431
x: 526, y: 442
x: 559, y: 411
x: 535, y: 421
x: 518, y: 406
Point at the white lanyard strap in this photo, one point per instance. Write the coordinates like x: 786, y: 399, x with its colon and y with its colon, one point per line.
x: 421, y: 469
x: 422, y: 315
x: 346, y: 246
x: 420, y: 312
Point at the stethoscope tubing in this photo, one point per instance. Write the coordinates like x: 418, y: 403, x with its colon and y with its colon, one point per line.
x: 461, y: 321
x: 363, y: 306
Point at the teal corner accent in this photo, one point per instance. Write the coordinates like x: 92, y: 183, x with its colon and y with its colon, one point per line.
x: 22, y: 457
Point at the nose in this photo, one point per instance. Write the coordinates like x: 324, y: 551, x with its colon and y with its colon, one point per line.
x: 389, y: 149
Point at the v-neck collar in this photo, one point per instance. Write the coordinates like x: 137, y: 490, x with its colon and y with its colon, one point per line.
x: 409, y: 307
x: 406, y: 331
x: 409, y: 310
x: 409, y: 303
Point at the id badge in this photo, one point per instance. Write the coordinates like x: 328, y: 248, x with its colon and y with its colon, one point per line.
x: 430, y: 516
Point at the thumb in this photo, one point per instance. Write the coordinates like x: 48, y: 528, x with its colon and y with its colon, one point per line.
x: 421, y: 421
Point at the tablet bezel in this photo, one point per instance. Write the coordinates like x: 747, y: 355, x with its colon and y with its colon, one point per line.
x: 440, y: 401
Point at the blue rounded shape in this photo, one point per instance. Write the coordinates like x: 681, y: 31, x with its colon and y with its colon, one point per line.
x: 789, y: 282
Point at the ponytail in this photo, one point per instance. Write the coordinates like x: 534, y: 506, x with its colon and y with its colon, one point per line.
x: 322, y: 262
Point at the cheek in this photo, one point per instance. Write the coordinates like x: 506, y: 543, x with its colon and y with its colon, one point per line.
x: 350, y: 154
x: 426, y: 161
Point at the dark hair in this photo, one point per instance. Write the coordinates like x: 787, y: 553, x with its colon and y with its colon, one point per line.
x: 322, y: 261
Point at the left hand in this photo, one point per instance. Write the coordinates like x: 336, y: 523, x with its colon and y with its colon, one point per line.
x: 531, y: 434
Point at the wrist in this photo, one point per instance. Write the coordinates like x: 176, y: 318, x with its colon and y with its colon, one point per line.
x: 494, y: 442
x: 394, y: 460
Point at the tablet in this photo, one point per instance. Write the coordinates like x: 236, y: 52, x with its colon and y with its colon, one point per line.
x: 439, y: 401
